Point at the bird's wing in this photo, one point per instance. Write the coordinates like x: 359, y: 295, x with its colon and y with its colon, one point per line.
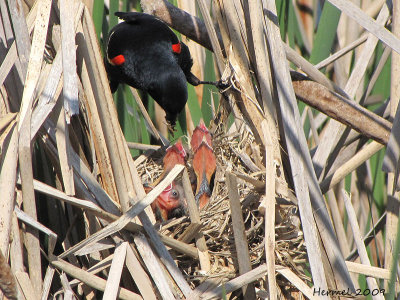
x: 136, y: 18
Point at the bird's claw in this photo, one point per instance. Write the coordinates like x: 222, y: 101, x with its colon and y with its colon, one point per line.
x: 171, y: 128
x: 222, y: 85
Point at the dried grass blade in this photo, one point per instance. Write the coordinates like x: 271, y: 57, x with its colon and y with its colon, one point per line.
x: 96, y: 132
x: 48, y: 279
x: 338, y: 54
x: 26, y: 286
x: 242, y: 249
x: 89, y: 279
x: 89, y: 186
x: 391, y: 163
x: 354, y: 12
x: 236, y: 283
x: 114, y: 275
x: 260, y: 61
x: 70, y: 89
x: 349, y: 166
x: 8, y: 176
x: 147, y: 118
x: 68, y: 293
x: 311, y: 71
x: 195, y: 218
x: 153, y: 267
x: 297, y: 282
x: 362, y: 251
x: 269, y: 212
x: 22, y: 39
x: 368, y: 270
x: 24, y: 147
x: 335, y: 129
x: 108, y: 117
x: 139, y: 275
x: 24, y: 217
x: 212, y: 35
x: 129, y: 215
x: 64, y: 150
x: 6, y: 119
x: 367, y: 52
x: 299, y: 158
x: 84, y: 204
x: 53, y: 86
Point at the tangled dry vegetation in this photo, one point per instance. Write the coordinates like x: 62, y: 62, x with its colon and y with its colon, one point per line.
x: 76, y: 221
x: 232, y: 152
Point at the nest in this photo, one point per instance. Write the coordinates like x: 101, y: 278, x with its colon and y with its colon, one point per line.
x: 216, y: 216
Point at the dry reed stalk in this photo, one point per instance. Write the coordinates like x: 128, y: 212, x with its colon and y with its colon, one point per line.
x: 24, y: 145
x: 129, y: 215
x: 236, y: 283
x: 97, y: 134
x: 301, y: 162
x: 368, y: 23
x: 114, y: 275
x: 269, y: 211
x: 89, y: 279
x: 297, y: 282
x: 47, y: 281
x: 8, y: 177
x: 242, y: 250
x: 390, y: 162
x: 368, y: 270
x: 338, y: 54
x: 195, y: 219
x: 146, y: 116
x: 107, y: 114
x: 156, y: 272
x: 360, y: 245
x: 64, y: 150
x: 363, y: 155
x: 139, y: 275
x: 335, y: 129
x: 343, y: 110
x: 110, y: 124
x: 198, y: 55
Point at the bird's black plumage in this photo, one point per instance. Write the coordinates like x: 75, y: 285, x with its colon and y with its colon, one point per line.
x: 144, y: 53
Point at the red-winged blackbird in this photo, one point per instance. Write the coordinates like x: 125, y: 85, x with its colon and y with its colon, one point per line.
x: 144, y: 53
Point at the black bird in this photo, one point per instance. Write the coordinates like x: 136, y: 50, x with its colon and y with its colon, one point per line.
x: 145, y: 53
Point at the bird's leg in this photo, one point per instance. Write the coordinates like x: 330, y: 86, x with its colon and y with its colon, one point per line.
x: 218, y: 84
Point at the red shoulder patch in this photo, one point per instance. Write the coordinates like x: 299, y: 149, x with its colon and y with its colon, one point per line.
x: 176, y: 48
x: 118, y: 60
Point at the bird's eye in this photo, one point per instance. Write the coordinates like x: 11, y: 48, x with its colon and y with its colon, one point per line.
x: 174, y: 193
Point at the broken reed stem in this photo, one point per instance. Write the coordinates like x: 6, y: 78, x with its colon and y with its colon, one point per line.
x: 353, y: 163
x: 269, y: 213
x: 362, y: 251
x: 242, y: 250
x: 8, y: 177
x: 102, y: 97
x: 90, y: 279
x: 115, y: 272
x: 147, y: 118
x: 195, y: 218
x: 236, y: 283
